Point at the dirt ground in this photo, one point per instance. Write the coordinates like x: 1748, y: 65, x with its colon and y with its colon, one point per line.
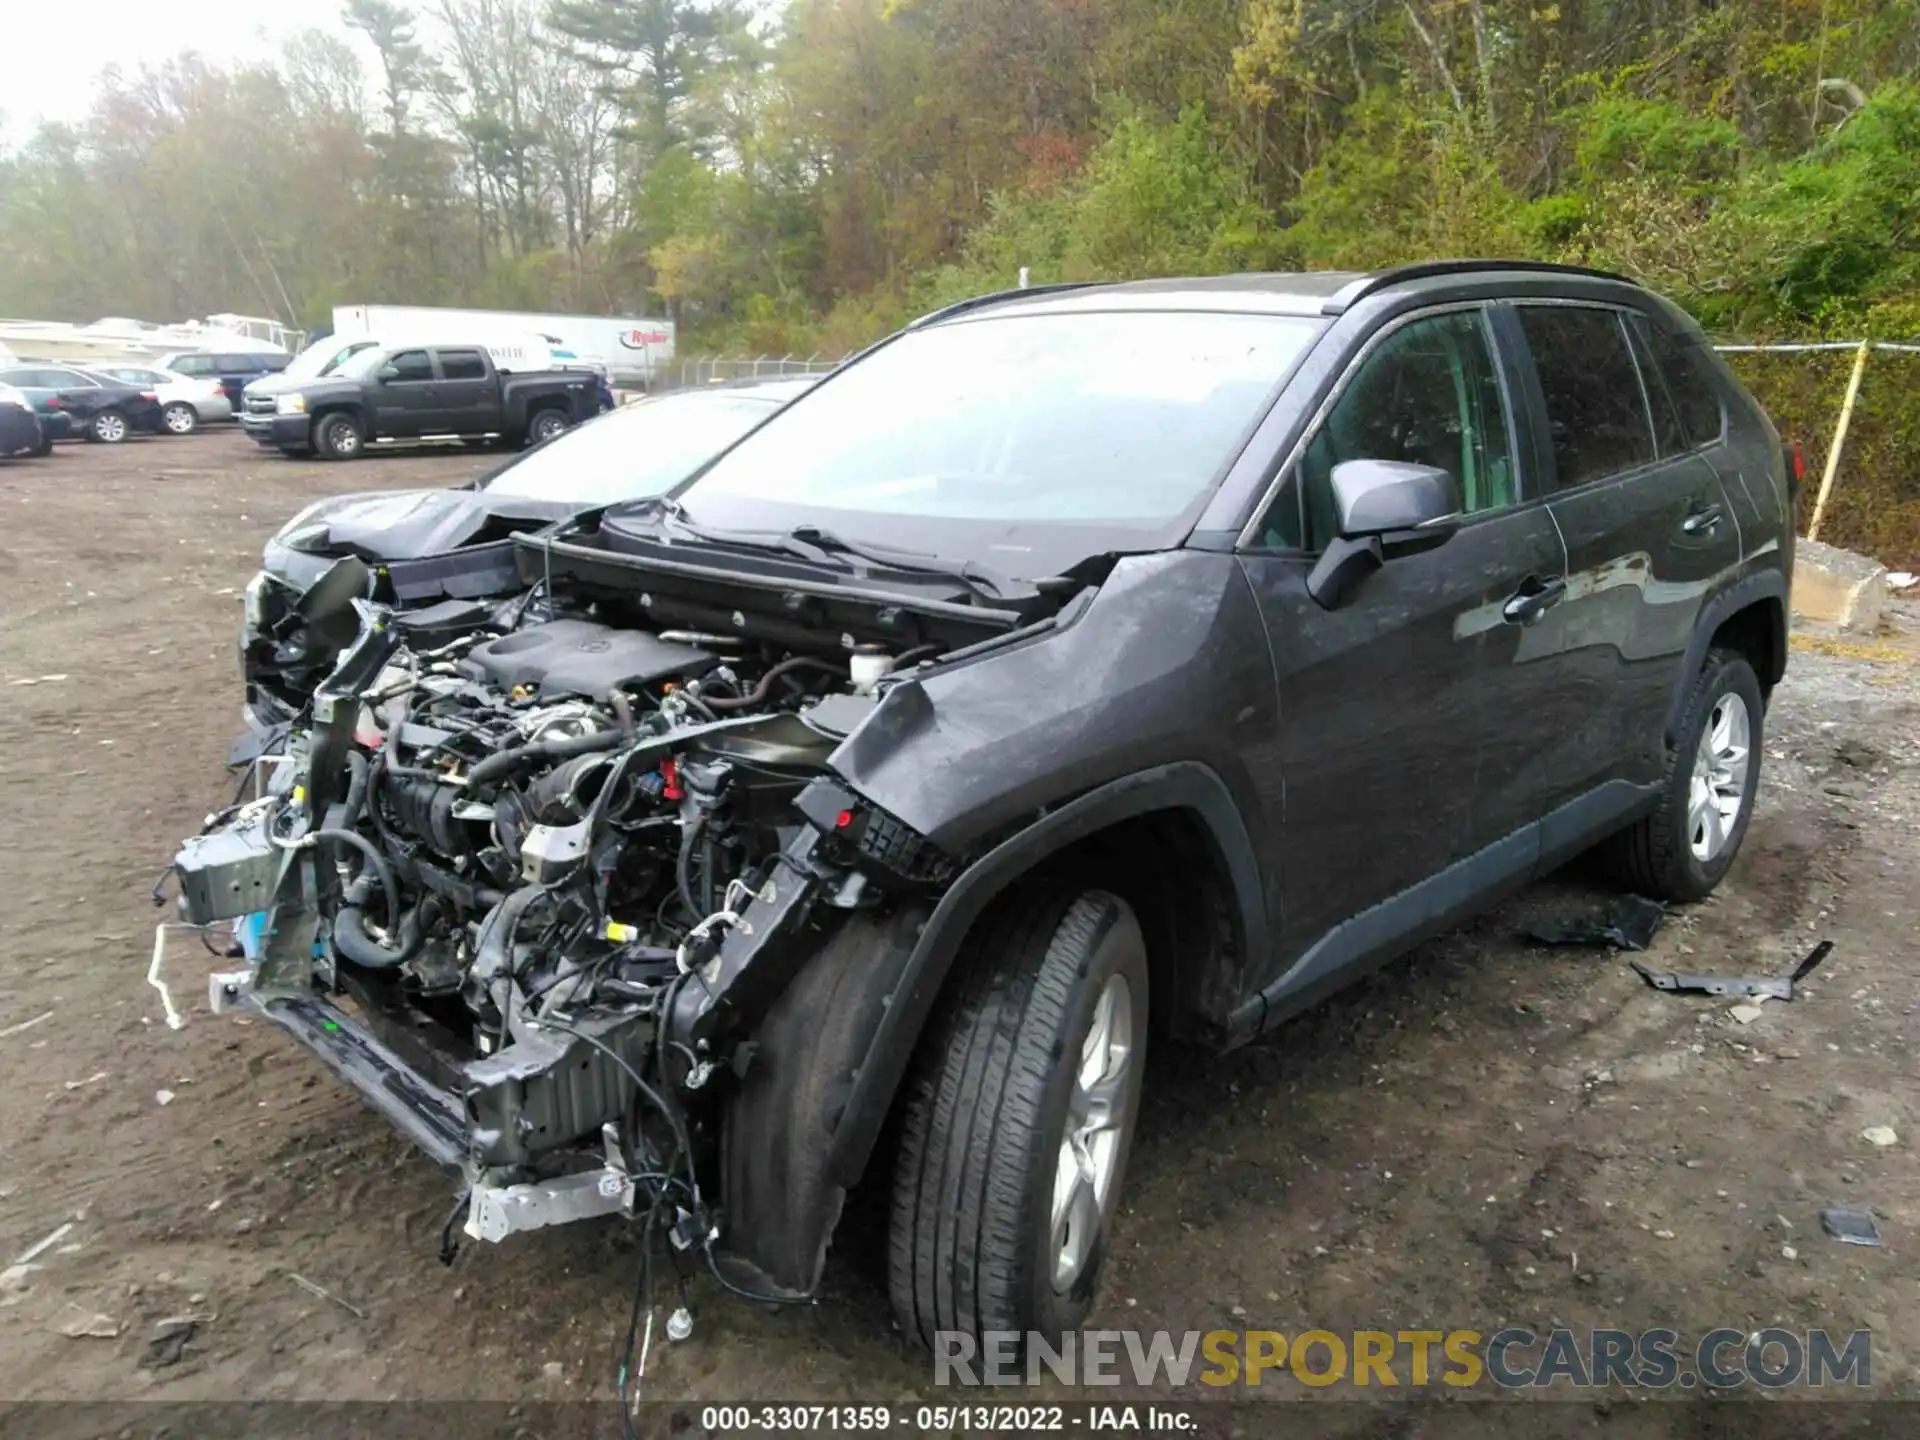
x: 1487, y: 1132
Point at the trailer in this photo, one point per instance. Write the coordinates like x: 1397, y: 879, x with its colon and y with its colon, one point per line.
x: 634, y: 350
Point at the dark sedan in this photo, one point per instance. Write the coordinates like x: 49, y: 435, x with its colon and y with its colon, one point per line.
x: 20, y: 432
x: 99, y: 407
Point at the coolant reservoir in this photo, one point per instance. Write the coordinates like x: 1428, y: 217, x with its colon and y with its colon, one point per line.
x: 868, y: 667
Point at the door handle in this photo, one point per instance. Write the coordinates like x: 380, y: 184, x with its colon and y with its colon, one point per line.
x: 1534, y: 598
x: 1702, y: 519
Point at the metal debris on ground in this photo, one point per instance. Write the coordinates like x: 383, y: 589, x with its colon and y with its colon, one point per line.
x: 34, y: 1252
x: 1749, y: 987
x: 1850, y: 1227
x: 79, y: 1324
x: 325, y: 1294
x: 26, y: 1024
x: 1627, y: 924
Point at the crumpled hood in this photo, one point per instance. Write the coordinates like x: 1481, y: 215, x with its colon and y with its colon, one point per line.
x: 401, y: 525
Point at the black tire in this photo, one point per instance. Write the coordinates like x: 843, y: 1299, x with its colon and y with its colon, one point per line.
x: 179, y: 418
x: 986, y: 1112
x: 338, y: 437
x: 44, y: 448
x: 109, y: 427
x: 543, y: 425
x: 1655, y: 856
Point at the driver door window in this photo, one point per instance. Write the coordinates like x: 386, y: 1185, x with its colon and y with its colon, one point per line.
x: 1429, y: 393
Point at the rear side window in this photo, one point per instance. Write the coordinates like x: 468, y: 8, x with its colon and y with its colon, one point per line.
x: 1596, y: 411
x: 462, y: 365
x: 1668, y: 433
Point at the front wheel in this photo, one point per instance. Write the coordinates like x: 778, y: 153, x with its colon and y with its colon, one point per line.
x: 337, y: 437
x: 1683, y: 849
x: 1018, y: 1120
x: 544, y: 426
x: 180, y: 419
x: 109, y: 427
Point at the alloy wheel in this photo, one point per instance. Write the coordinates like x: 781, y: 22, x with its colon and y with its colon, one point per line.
x: 1096, y: 1126
x: 1719, y: 783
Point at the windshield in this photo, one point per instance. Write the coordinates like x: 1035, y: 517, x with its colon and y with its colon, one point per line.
x: 635, y: 451
x: 1116, y: 420
x: 360, y: 364
x: 323, y: 357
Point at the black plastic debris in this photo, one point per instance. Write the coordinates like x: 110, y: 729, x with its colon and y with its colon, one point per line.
x: 1850, y: 1227
x: 1743, y: 986
x: 1627, y: 924
x: 1814, y: 957
x: 168, y: 1344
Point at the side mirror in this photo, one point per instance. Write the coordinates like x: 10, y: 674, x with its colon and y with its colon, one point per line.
x: 1383, y: 508
x: 388, y: 374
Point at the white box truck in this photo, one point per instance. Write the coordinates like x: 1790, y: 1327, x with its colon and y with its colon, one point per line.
x: 635, y: 351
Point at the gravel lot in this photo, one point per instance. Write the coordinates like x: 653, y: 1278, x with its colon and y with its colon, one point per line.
x: 1486, y: 1132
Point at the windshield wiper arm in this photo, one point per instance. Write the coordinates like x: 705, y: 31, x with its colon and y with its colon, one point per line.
x: 813, y: 544
x: 983, y: 580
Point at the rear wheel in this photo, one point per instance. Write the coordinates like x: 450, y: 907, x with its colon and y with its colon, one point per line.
x: 1018, y: 1120
x: 544, y: 425
x: 45, y: 447
x: 180, y: 419
x: 338, y: 437
x: 1683, y: 849
x: 109, y: 427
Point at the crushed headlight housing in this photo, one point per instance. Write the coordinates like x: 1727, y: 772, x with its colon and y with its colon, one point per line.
x: 254, y: 599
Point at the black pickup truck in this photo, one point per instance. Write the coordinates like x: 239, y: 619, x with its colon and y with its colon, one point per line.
x: 423, y: 392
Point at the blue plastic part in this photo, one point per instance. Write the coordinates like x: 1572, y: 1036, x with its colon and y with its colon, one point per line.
x: 251, y: 932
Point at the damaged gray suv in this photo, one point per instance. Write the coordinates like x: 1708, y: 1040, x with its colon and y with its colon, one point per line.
x: 1080, y: 669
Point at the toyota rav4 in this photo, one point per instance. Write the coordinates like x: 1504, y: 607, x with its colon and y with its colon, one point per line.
x: 1079, y: 669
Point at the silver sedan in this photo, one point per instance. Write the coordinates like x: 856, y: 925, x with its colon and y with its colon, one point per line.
x: 186, y: 403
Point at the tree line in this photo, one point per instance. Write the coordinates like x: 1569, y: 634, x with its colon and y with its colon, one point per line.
x: 802, y: 178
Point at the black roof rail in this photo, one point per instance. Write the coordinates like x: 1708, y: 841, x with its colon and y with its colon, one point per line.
x: 1341, y: 299
x: 974, y: 302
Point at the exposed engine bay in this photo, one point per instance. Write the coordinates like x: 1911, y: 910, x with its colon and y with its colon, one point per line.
x: 497, y: 873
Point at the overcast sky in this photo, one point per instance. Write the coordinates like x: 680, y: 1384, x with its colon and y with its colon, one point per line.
x: 49, y: 67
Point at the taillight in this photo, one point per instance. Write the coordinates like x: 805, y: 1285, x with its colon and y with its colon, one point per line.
x: 1796, y: 465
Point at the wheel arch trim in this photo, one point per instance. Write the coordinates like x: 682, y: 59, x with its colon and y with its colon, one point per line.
x: 1769, y: 585
x: 1180, y: 786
